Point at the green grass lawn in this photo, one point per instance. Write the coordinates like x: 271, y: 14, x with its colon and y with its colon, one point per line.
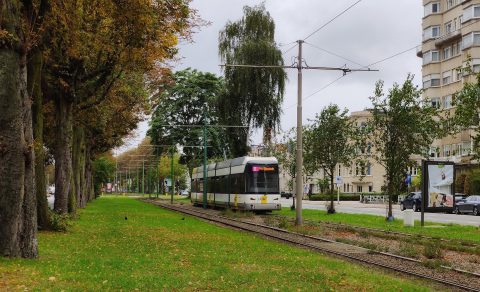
x: 448, y: 231
x: 156, y: 250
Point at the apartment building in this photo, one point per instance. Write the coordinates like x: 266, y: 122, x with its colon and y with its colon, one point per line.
x: 451, y: 35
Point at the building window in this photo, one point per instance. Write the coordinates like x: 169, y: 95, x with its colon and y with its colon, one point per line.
x: 447, y: 101
x: 432, y: 80
x: 431, y: 57
x: 471, y: 39
x: 370, y: 189
x: 435, y: 102
x: 434, y: 152
x: 466, y: 148
x: 359, y: 189
x: 451, y: 3
x: 431, y: 32
x: 446, y: 151
x: 448, y: 27
x: 369, y: 169
x: 446, y: 53
x: 432, y: 7
x: 339, y: 170
x: 455, y: 49
x: 459, y: 74
x: 447, y: 77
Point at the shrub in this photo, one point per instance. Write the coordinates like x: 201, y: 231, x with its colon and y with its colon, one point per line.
x: 409, y: 250
x: 460, y: 183
x: 59, y: 222
x: 283, y: 223
x: 475, y: 182
x: 432, y: 250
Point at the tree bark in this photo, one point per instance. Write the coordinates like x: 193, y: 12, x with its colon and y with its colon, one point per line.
x: 78, y: 163
x: 18, y: 227
x: 63, y: 153
x: 29, y: 227
x: 35, y: 65
x: 332, y: 204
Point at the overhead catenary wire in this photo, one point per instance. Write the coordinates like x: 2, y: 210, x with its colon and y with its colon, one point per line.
x: 336, y: 55
x: 369, y: 65
x: 331, y: 20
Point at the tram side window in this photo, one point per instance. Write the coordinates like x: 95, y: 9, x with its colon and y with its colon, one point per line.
x: 220, y: 184
x: 200, y: 185
x: 210, y: 184
x: 237, y: 183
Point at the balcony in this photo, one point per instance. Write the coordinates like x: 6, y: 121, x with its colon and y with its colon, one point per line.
x: 419, y: 52
x: 454, y: 35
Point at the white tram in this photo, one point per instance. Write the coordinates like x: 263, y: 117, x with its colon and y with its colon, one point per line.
x: 248, y: 183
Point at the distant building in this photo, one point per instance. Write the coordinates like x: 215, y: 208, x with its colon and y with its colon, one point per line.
x: 451, y: 34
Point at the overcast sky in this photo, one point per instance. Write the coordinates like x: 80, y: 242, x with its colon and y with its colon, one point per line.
x: 369, y: 32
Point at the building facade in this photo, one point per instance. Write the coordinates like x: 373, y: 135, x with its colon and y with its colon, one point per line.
x: 451, y: 40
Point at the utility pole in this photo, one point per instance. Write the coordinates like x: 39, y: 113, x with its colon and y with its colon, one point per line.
x: 299, y: 152
x: 143, y: 178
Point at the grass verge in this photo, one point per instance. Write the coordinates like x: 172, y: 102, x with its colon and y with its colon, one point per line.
x: 119, y: 243
x: 446, y: 231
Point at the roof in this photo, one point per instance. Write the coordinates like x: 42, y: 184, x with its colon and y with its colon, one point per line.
x: 236, y: 162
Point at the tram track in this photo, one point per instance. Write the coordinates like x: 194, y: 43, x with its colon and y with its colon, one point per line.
x: 458, y: 279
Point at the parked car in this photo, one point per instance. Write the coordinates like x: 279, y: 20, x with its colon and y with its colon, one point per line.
x: 412, y: 201
x: 469, y: 205
x: 459, y: 197
x: 286, y: 195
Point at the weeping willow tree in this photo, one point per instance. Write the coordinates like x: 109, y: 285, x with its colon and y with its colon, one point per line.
x: 253, y: 96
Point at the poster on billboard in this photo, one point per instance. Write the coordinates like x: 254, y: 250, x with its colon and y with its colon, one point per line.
x: 441, y: 177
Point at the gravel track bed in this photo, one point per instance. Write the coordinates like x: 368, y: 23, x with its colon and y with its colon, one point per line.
x: 328, y: 246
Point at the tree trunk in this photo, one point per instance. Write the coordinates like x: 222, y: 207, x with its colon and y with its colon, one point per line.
x: 88, y: 180
x: 34, y: 88
x: 78, y: 164
x: 29, y: 232
x: 331, y: 210
x: 63, y: 153
x: 18, y: 227
x: 390, y: 194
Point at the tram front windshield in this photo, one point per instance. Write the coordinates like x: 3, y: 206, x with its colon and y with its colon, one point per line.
x: 262, y: 178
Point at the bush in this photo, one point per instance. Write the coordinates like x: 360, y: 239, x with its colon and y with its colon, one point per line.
x: 432, y: 250
x: 60, y: 222
x: 475, y: 182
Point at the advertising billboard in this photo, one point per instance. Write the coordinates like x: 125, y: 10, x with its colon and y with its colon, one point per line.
x: 440, y: 182
x: 438, y: 185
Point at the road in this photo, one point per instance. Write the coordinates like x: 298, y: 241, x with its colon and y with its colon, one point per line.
x: 381, y: 210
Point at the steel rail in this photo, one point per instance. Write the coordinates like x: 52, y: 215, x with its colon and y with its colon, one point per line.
x: 225, y: 221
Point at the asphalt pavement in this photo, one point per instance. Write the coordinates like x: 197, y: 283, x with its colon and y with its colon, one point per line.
x: 381, y: 210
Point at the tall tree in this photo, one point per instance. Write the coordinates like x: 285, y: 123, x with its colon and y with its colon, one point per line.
x: 93, y: 47
x: 331, y: 141
x: 18, y: 214
x: 254, y: 96
x: 190, y: 99
x: 402, y: 124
